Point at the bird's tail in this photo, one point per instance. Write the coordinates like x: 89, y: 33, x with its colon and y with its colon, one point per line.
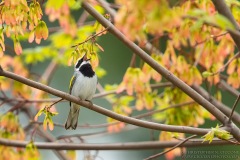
x: 72, y: 119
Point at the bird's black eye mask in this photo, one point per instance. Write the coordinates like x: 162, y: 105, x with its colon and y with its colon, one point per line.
x: 79, y: 63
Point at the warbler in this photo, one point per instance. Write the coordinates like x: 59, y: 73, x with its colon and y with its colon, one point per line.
x: 83, y: 85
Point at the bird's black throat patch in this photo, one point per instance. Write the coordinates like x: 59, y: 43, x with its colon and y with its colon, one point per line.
x: 87, y: 70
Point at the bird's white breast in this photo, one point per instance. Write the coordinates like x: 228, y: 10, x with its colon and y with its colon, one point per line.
x: 84, y: 87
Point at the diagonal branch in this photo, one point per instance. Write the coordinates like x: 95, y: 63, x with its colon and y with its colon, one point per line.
x: 223, y: 9
x: 233, y: 108
x: 163, y: 71
x: 174, y: 147
x: 223, y: 85
x: 130, y: 120
x: 222, y: 107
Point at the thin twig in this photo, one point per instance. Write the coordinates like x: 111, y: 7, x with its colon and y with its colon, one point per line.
x: 3, y: 93
x: 174, y: 147
x: 226, y: 64
x: 17, y: 106
x: 133, y: 61
x: 233, y: 108
x: 82, y: 18
x: 164, y: 109
x: 91, y: 37
x: 55, y: 103
x: 211, y: 37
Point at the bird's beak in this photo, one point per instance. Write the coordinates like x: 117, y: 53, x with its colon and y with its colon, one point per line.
x: 85, y: 58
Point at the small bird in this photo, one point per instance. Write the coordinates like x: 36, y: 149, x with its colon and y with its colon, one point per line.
x: 83, y: 85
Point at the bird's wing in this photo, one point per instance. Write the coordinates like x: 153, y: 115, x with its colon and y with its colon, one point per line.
x: 72, y: 81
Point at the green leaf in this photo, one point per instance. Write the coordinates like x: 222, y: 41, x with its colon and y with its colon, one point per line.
x: 221, y: 134
x: 39, y: 113
x: 100, y: 72
x: 125, y: 100
x: 74, y: 4
x: 216, y: 132
x: 206, y: 74
x: 209, y: 136
x: 197, y: 12
x: 223, y: 22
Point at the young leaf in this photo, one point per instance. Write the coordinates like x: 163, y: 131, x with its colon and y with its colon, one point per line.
x: 39, y: 113
x: 100, y: 47
x: 209, y: 136
x: 216, y: 132
x: 206, y: 74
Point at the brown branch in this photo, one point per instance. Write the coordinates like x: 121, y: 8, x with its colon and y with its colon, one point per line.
x: 226, y: 64
x: 91, y: 37
x: 101, y: 110
x: 82, y: 18
x: 89, y: 126
x: 55, y: 102
x: 233, y: 108
x: 163, y: 109
x: 48, y: 73
x: 225, y: 109
x: 114, y: 146
x: 223, y: 9
x: 174, y: 147
x: 211, y: 37
x: 3, y: 93
x: 229, y: 88
x: 94, y: 134
x: 161, y: 70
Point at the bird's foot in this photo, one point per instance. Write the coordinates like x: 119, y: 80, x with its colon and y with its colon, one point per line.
x: 89, y: 102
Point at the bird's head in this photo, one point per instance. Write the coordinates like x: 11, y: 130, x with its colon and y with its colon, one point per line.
x: 84, y: 66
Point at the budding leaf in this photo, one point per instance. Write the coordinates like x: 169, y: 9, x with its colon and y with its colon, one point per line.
x: 206, y: 74
x: 48, y: 117
x: 39, y: 114
x: 216, y: 132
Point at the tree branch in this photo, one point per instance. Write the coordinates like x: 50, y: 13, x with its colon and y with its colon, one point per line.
x: 130, y: 120
x: 223, y: 9
x: 160, y: 69
x: 114, y: 146
x: 226, y: 110
x: 227, y: 87
x: 233, y: 108
x: 174, y: 147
